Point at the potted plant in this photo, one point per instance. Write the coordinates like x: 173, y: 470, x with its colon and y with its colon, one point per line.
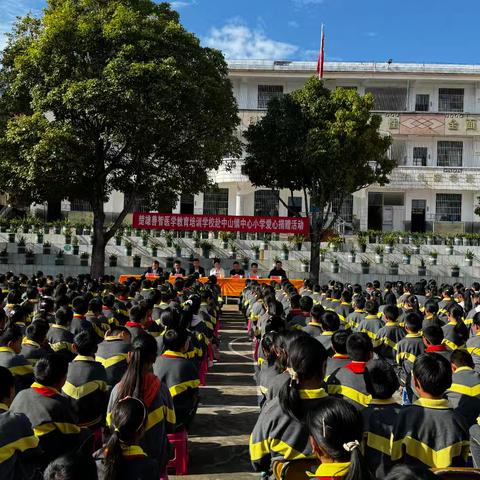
x: 128, y: 231
x: 430, y: 239
x: 224, y: 237
x: 298, y: 241
x: 285, y: 251
x: 245, y: 263
x: 118, y: 238
x: 154, y: 248
x: 79, y: 229
x: 178, y: 249
x: 407, y: 256
x: 362, y: 243
x: 256, y: 251
x: 365, y: 263
x: 449, y: 246
x: 379, y: 254
x: 136, y: 261
x: 323, y: 254
x: 4, y: 256
x: 84, y: 259
x: 206, y: 248
x: 112, y: 260
x: 233, y: 249
x: 59, y: 258
x: 169, y: 263
x: 4, y: 224
x: 138, y: 232
x: 76, y: 246
x: 416, y: 246
x: 264, y: 244
x: 469, y: 256
x: 21, y: 245
x: 87, y: 230
x: 466, y: 240
x: 29, y: 257
x: 144, y: 238
x: 169, y: 239
x: 39, y: 237
x: 422, y: 268
x: 432, y: 257
x: 196, y: 240
x: 402, y: 238
x: 334, y: 244
x: 393, y: 268
x: 372, y: 236
x: 334, y: 266
x: 128, y: 248
x: 352, y: 255
x: 11, y: 237
x: 455, y: 271
x: 68, y: 235
x: 389, y: 240
x: 457, y: 240
x: 305, y: 264
x: 47, y: 248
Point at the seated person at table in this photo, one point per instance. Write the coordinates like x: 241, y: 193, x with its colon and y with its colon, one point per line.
x: 197, y: 268
x: 254, y: 270
x: 155, y: 269
x: 277, y: 270
x: 236, y: 270
x: 217, y: 269
x: 177, y: 268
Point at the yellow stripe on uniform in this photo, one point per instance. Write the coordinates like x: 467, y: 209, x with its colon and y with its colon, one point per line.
x: 65, y: 428
x: 350, y: 393
x: 7, y: 451
x: 464, y: 390
x: 407, y: 356
x: 83, y: 390
x: 379, y: 443
x: 263, y: 448
x: 109, y: 362
x: 20, y: 370
x: 182, y: 387
x: 450, y: 344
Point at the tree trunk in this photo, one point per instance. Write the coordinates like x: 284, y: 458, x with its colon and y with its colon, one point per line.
x: 97, y: 267
x: 315, y: 238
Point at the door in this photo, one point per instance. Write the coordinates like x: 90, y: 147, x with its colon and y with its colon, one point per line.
x: 419, y: 208
x: 387, y: 223
x: 375, y: 210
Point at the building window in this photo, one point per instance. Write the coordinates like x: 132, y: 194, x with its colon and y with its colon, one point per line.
x: 449, y: 207
x: 266, y: 93
x: 422, y: 102
x: 398, y: 151
x: 80, y: 206
x: 215, y: 202
x: 140, y: 205
x: 294, y: 206
x: 450, y: 99
x: 345, y: 209
x: 266, y: 203
x: 449, y: 154
x: 187, y: 203
x: 389, y: 99
x: 420, y: 156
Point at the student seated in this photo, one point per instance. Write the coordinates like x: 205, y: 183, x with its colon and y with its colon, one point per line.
x: 349, y: 382
x: 270, y: 345
x: 123, y: 458
x: 19, y: 452
x: 473, y: 343
x: 94, y: 316
x: 10, y: 347
x: 430, y: 432
x: 340, y: 356
x: 49, y: 412
x: 336, y: 431
x: 112, y: 353
x: 179, y: 374
x: 464, y: 393
x: 371, y: 324
x: 314, y: 327
x: 380, y: 416
x: 433, y: 341
x: 34, y: 344
x: 302, y: 319
x: 431, y: 315
x: 59, y: 336
x: 79, y: 321
x: 389, y: 335
x: 138, y: 321
x: 86, y: 382
x: 330, y: 323
x: 280, y: 433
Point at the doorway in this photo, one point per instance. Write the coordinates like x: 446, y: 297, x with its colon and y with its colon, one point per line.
x: 419, y: 208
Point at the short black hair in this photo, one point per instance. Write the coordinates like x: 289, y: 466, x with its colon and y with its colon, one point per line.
x: 175, y: 339
x: 72, y: 466
x: 410, y: 472
x: 236, y: 263
x: 37, y: 331
x: 371, y: 307
x: 461, y: 358
x: 254, y: 264
x: 359, y: 301
x: 7, y: 382
x: 434, y: 334
x: 317, y: 311
x: 359, y: 347
x: 339, y: 341
x: 431, y: 306
x: 433, y: 373
x: 330, y: 321
x: 63, y: 316
x: 413, y: 321
x: 85, y: 343
x: 138, y: 313
x: 380, y: 379
x: 80, y: 305
x: 50, y: 369
x: 391, y: 312
x: 306, y: 303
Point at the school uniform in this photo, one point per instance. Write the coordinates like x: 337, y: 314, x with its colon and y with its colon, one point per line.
x: 79, y: 324
x: 335, y: 362
x: 451, y: 339
x: 371, y: 325
x: 86, y: 387
x: 343, y: 311
x: 158, y: 310
x: 33, y: 351
x: 387, y: 339
x: 464, y: 393
x: 354, y: 319
x: 161, y: 418
x: 473, y: 348
x: 135, y: 465
x: 278, y: 437
x: 325, y: 338
x: 298, y: 320
x: 52, y: 419
x: 349, y: 383
x: 441, y: 350
x: 408, y: 349
x: 99, y: 325
x: 331, y: 471
x: 19, y: 367
x: 135, y: 329
x: 181, y: 377
x: 442, y: 307
x: 112, y: 353
x: 60, y: 340
x: 117, y: 315
x: 313, y: 328
x: 430, y: 433
x: 19, y: 451
x: 379, y: 418
x: 266, y: 375
x: 432, y: 320
x: 276, y: 385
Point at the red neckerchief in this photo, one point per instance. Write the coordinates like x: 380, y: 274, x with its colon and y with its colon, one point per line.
x: 106, y: 308
x: 435, y: 348
x: 151, y: 386
x: 45, y: 391
x: 356, y: 367
x: 133, y: 324
x: 296, y: 311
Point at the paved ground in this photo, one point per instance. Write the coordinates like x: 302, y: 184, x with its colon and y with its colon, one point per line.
x: 218, y: 441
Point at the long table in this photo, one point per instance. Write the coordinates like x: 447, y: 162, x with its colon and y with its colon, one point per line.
x: 231, y: 287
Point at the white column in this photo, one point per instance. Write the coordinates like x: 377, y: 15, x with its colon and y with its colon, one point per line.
x: 238, y: 204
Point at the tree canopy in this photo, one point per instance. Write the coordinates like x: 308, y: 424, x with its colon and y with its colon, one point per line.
x: 324, y: 143
x: 98, y: 96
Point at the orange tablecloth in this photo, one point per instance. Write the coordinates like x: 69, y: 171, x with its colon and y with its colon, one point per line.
x: 231, y: 287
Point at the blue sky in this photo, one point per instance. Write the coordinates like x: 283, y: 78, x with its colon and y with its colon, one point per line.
x: 369, y: 30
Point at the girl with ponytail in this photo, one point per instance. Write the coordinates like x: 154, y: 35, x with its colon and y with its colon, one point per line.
x: 139, y: 382
x: 123, y: 458
x: 455, y: 331
x: 336, y: 431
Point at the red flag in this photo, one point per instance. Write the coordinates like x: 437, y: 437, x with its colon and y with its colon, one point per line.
x: 321, y: 55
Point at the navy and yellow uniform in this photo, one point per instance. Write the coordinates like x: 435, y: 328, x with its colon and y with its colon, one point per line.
x: 161, y: 418
x: 276, y: 385
x: 464, y: 393
x: 60, y: 340
x: 430, y: 320
x: 181, y: 377
x: 79, y: 324
x: 325, y: 338
x: 343, y: 311
x: 349, y: 382
x: 117, y: 315
x: 135, y: 329
x: 19, y: 451
x: 387, y: 339
x: 354, y: 319
x: 442, y: 307
x: 408, y: 349
x: 379, y: 418
x: 157, y: 311
x: 451, y: 338
x: 313, y: 328
x: 441, y: 350
x: 51, y: 417
x: 99, y: 325
x: 135, y: 465
x: 33, y: 351
x: 112, y: 353
x: 19, y: 366
x: 331, y: 471
x: 473, y: 348
x: 431, y: 433
x: 334, y: 363
x: 371, y: 325
x: 266, y: 375
x: 86, y: 388
x: 278, y: 437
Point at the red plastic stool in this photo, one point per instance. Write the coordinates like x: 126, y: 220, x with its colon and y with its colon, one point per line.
x: 179, y: 441
x: 202, y: 371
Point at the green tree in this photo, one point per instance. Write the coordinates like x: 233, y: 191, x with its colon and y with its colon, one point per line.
x: 101, y: 96
x: 323, y: 143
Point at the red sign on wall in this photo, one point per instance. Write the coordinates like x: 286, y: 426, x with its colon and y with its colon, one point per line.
x: 223, y: 223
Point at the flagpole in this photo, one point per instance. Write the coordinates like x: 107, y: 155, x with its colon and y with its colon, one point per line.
x: 322, y: 51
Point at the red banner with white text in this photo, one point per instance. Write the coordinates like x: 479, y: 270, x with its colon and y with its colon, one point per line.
x: 221, y: 223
